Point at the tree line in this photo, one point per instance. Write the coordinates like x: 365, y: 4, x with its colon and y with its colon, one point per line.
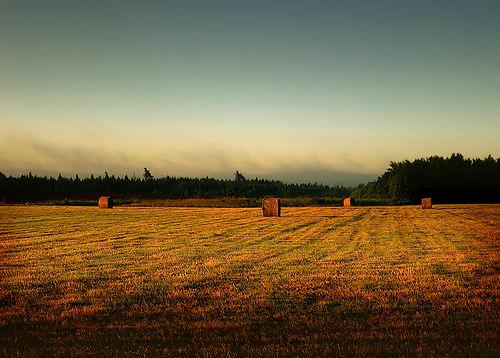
x: 454, y: 179
x: 38, y: 188
x: 451, y: 179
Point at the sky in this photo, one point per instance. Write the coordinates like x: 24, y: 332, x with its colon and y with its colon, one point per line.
x: 327, y: 91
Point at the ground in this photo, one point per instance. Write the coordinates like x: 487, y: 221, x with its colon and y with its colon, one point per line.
x: 184, y: 281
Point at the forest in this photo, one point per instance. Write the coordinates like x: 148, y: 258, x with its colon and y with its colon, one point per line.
x: 35, y: 188
x: 447, y: 180
x: 452, y: 179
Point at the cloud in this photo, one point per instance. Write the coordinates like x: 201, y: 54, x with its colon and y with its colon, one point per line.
x: 23, y: 153
x: 323, y: 175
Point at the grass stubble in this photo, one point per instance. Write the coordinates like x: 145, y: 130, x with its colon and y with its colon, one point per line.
x: 192, y: 281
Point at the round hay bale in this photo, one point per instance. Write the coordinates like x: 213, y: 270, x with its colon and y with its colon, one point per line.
x: 349, y: 201
x: 271, y: 207
x: 426, y: 203
x: 105, y: 202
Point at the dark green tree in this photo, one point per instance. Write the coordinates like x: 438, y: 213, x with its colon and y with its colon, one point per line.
x: 147, y: 175
x: 239, y: 177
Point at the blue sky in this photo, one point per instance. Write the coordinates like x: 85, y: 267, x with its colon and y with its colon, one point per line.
x: 326, y: 91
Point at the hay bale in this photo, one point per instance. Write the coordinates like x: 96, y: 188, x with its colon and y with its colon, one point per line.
x: 349, y: 201
x: 426, y: 203
x: 271, y: 207
x: 105, y: 202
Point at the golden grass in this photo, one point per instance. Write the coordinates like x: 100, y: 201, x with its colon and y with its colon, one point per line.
x: 184, y: 281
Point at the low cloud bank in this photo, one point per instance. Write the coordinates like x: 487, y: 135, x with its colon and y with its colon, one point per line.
x: 22, y: 154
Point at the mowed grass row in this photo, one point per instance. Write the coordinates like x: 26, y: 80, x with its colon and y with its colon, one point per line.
x: 317, y: 281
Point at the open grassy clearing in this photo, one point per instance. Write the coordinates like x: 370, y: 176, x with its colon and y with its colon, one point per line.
x: 317, y: 281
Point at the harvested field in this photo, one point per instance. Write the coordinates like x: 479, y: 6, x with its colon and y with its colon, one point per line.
x: 184, y: 281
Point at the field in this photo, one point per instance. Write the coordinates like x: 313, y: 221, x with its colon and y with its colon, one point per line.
x: 184, y: 281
